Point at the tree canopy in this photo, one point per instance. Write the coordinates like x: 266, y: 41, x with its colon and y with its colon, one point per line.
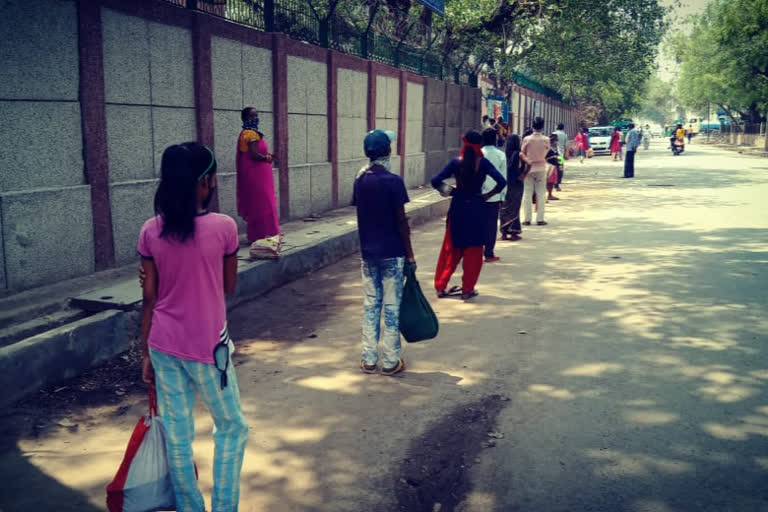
x: 593, y: 53
x: 724, y: 59
x: 658, y: 101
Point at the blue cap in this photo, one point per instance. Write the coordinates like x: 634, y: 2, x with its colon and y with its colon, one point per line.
x: 377, y: 143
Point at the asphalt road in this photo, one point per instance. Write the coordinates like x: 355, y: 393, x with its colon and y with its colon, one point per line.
x: 612, y: 362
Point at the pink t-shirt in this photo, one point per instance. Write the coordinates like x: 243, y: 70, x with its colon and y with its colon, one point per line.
x: 190, y: 312
x: 535, y: 147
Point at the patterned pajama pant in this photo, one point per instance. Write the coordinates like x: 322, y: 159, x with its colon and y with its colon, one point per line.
x: 177, y: 380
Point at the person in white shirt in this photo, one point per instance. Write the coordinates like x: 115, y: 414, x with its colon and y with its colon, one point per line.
x: 499, y: 161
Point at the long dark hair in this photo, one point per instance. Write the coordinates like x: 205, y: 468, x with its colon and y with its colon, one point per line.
x: 514, y: 145
x: 183, y: 167
x: 468, y: 167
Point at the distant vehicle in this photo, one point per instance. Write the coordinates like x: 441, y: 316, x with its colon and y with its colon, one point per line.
x: 693, y: 126
x: 600, y: 138
x: 711, y: 127
x: 656, y: 132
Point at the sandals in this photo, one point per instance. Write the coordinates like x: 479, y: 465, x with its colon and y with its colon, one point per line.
x: 467, y: 296
x: 453, y: 292
x: 367, y: 368
x: 456, y: 292
x: 399, y: 367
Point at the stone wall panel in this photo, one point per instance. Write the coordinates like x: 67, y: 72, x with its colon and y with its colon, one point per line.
x: 47, y: 235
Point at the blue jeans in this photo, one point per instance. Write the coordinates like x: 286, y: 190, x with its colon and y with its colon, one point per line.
x: 177, y: 380
x: 382, y: 289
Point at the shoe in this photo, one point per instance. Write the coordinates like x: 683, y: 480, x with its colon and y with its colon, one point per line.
x: 515, y: 238
x: 367, y: 368
x: 492, y: 259
x: 542, y: 223
x: 527, y: 223
x: 553, y: 198
x: 557, y: 187
x: 400, y: 366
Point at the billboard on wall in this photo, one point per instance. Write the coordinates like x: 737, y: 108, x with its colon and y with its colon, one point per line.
x: 437, y: 6
x: 498, y: 107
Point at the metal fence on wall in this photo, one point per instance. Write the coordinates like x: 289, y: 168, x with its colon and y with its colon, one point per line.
x: 341, y: 32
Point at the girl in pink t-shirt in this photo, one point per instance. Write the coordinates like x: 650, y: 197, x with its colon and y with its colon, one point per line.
x: 189, y: 261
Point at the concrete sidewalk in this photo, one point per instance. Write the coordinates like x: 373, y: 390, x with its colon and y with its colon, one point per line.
x: 57, y: 332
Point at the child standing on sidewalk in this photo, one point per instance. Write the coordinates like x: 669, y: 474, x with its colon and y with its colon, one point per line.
x: 385, y: 243
x: 189, y: 261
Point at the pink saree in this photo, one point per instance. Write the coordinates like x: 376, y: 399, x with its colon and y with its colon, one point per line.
x: 256, y: 202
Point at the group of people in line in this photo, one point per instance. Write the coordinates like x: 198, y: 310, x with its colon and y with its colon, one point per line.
x: 189, y: 263
x: 500, y: 126
x: 486, y: 185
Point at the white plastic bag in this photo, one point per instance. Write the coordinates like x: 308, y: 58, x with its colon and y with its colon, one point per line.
x: 267, y: 248
x: 143, y: 482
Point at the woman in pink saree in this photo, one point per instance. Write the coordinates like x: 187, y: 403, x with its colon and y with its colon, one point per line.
x: 256, y: 202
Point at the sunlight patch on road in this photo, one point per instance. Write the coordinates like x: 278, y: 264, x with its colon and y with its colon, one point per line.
x: 592, y: 370
x: 750, y: 424
x: 650, y: 417
x: 651, y: 506
x: 294, y: 473
x: 301, y: 435
x: 551, y: 391
x: 702, y: 343
x: 640, y: 403
x: 477, y: 500
x: 616, y: 464
x: 340, y: 382
x: 309, y: 355
x: 728, y: 393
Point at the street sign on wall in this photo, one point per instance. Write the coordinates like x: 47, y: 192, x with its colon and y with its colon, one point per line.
x: 437, y: 6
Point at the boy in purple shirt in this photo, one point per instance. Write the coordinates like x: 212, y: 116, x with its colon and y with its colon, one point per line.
x: 385, y: 244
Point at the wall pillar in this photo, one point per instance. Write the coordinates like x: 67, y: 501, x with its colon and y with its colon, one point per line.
x: 371, y: 96
x: 203, y: 82
x: 94, y: 129
x: 402, y: 122
x: 333, y: 120
x: 280, y: 107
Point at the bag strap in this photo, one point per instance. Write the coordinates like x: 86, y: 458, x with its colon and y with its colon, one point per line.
x: 152, y: 391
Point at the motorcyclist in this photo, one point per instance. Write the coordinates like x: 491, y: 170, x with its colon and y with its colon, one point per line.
x: 678, y: 139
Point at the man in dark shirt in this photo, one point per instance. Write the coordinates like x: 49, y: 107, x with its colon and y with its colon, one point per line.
x: 385, y: 244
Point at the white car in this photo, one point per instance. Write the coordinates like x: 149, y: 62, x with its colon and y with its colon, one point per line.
x: 600, y: 139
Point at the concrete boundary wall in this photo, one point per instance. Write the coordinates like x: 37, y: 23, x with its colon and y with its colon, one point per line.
x: 69, y: 350
x: 525, y: 105
x: 119, y: 80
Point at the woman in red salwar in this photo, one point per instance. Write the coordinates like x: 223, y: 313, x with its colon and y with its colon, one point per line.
x: 465, y: 235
